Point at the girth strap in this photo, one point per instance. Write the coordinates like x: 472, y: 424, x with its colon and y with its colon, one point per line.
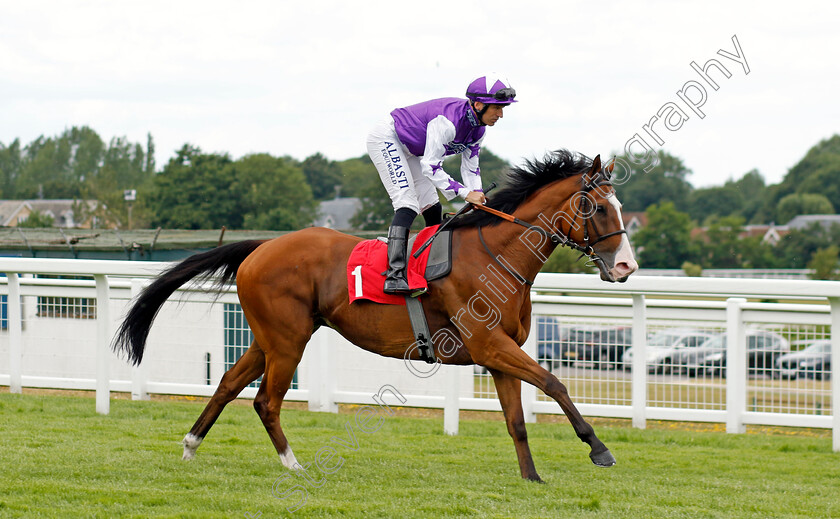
x: 420, y: 327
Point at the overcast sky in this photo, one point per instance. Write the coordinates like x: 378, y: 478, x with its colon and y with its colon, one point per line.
x: 295, y: 78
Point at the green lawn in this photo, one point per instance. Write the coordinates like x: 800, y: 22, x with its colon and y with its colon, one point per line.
x: 60, y: 459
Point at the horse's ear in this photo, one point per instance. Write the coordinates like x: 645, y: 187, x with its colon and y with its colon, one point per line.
x: 596, y: 164
x: 611, y: 166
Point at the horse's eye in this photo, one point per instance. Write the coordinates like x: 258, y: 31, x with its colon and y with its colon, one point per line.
x: 601, y: 209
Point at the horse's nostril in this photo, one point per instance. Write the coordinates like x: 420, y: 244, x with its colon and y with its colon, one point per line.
x: 623, y: 268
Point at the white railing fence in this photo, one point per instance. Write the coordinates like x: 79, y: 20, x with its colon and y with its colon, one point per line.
x: 57, y: 334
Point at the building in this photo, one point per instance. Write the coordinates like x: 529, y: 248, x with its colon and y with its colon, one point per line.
x: 62, y: 211
x: 803, y: 221
x: 337, y: 213
x: 770, y: 233
x: 633, y: 221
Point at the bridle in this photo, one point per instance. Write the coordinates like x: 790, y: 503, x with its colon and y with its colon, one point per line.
x: 557, y: 235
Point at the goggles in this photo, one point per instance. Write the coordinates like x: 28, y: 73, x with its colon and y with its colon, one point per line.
x: 504, y: 94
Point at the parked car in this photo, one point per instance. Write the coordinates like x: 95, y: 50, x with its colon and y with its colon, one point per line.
x: 549, y: 336
x: 664, y: 346
x: 602, y: 345
x: 813, y: 361
x: 763, y: 348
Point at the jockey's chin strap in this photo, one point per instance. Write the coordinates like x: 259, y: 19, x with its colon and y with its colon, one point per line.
x: 556, y: 236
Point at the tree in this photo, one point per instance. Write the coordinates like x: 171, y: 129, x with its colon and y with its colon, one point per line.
x: 57, y: 167
x: 204, y: 191
x: 86, y: 152
x: 802, y: 203
x: 825, y: 263
x: 665, y: 182
x: 150, y: 155
x: 711, y: 202
x: 492, y: 167
x: 323, y: 176
x: 753, y: 192
x: 123, y: 167
x: 376, y: 211
x: 665, y: 241
x: 45, y: 170
x: 37, y: 219
x: 816, y: 173
x: 357, y: 174
x: 564, y: 259
x: 361, y: 180
x: 10, y: 168
x: 757, y: 254
x: 798, y: 246
x: 692, y: 270
x: 274, y: 192
x: 194, y: 191
x: 721, y: 247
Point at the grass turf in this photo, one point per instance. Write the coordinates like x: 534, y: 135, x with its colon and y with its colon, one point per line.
x: 60, y: 459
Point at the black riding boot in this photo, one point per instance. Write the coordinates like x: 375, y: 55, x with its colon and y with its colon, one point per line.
x: 396, y: 281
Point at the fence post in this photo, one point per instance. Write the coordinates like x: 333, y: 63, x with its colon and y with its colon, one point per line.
x: 528, y: 392
x: 15, y: 334
x: 313, y: 371
x: 451, y: 400
x: 736, y: 367
x: 103, y: 353
x: 139, y: 373
x: 329, y: 350
x: 321, y: 372
x: 835, y: 383
x: 639, y: 366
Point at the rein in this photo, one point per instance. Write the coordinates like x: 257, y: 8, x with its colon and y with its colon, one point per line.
x: 556, y: 236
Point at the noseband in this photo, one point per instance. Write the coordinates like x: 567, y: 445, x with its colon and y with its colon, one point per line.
x: 556, y: 235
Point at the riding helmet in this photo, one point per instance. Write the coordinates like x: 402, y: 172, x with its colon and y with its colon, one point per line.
x: 491, y: 89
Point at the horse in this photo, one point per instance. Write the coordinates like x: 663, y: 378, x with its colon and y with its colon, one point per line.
x: 290, y: 286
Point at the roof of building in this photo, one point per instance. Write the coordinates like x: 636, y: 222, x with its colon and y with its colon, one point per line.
x: 804, y: 220
x: 112, y: 239
x: 640, y: 216
x: 59, y: 208
x: 336, y: 213
x: 10, y: 208
x: 141, y: 245
x: 753, y: 230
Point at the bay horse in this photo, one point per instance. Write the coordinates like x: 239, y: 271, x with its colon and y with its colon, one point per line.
x: 291, y: 285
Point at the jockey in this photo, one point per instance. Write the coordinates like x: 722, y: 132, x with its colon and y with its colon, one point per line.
x: 408, y: 151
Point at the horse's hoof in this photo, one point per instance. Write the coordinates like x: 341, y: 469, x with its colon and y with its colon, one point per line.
x: 190, y: 443
x: 603, y: 459
x: 534, y: 478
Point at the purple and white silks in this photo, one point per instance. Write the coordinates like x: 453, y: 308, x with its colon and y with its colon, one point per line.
x: 408, y: 151
x: 435, y: 129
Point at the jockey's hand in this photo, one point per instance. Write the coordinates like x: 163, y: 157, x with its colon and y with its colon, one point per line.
x: 476, y: 197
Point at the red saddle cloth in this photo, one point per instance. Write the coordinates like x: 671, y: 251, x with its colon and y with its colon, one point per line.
x: 369, y: 260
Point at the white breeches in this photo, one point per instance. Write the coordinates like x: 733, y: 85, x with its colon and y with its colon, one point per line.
x: 399, y: 170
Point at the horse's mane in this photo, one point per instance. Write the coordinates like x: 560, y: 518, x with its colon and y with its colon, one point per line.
x: 520, y: 182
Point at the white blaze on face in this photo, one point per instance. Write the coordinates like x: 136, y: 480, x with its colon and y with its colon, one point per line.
x: 624, y: 263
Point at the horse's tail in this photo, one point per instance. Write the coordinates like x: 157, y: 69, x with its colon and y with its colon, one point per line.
x: 131, y: 336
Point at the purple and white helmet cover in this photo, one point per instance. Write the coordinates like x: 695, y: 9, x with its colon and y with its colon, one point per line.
x: 484, y: 89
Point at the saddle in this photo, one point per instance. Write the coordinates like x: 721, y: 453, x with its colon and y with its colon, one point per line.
x: 366, y: 277
x: 439, y: 263
x: 369, y: 261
